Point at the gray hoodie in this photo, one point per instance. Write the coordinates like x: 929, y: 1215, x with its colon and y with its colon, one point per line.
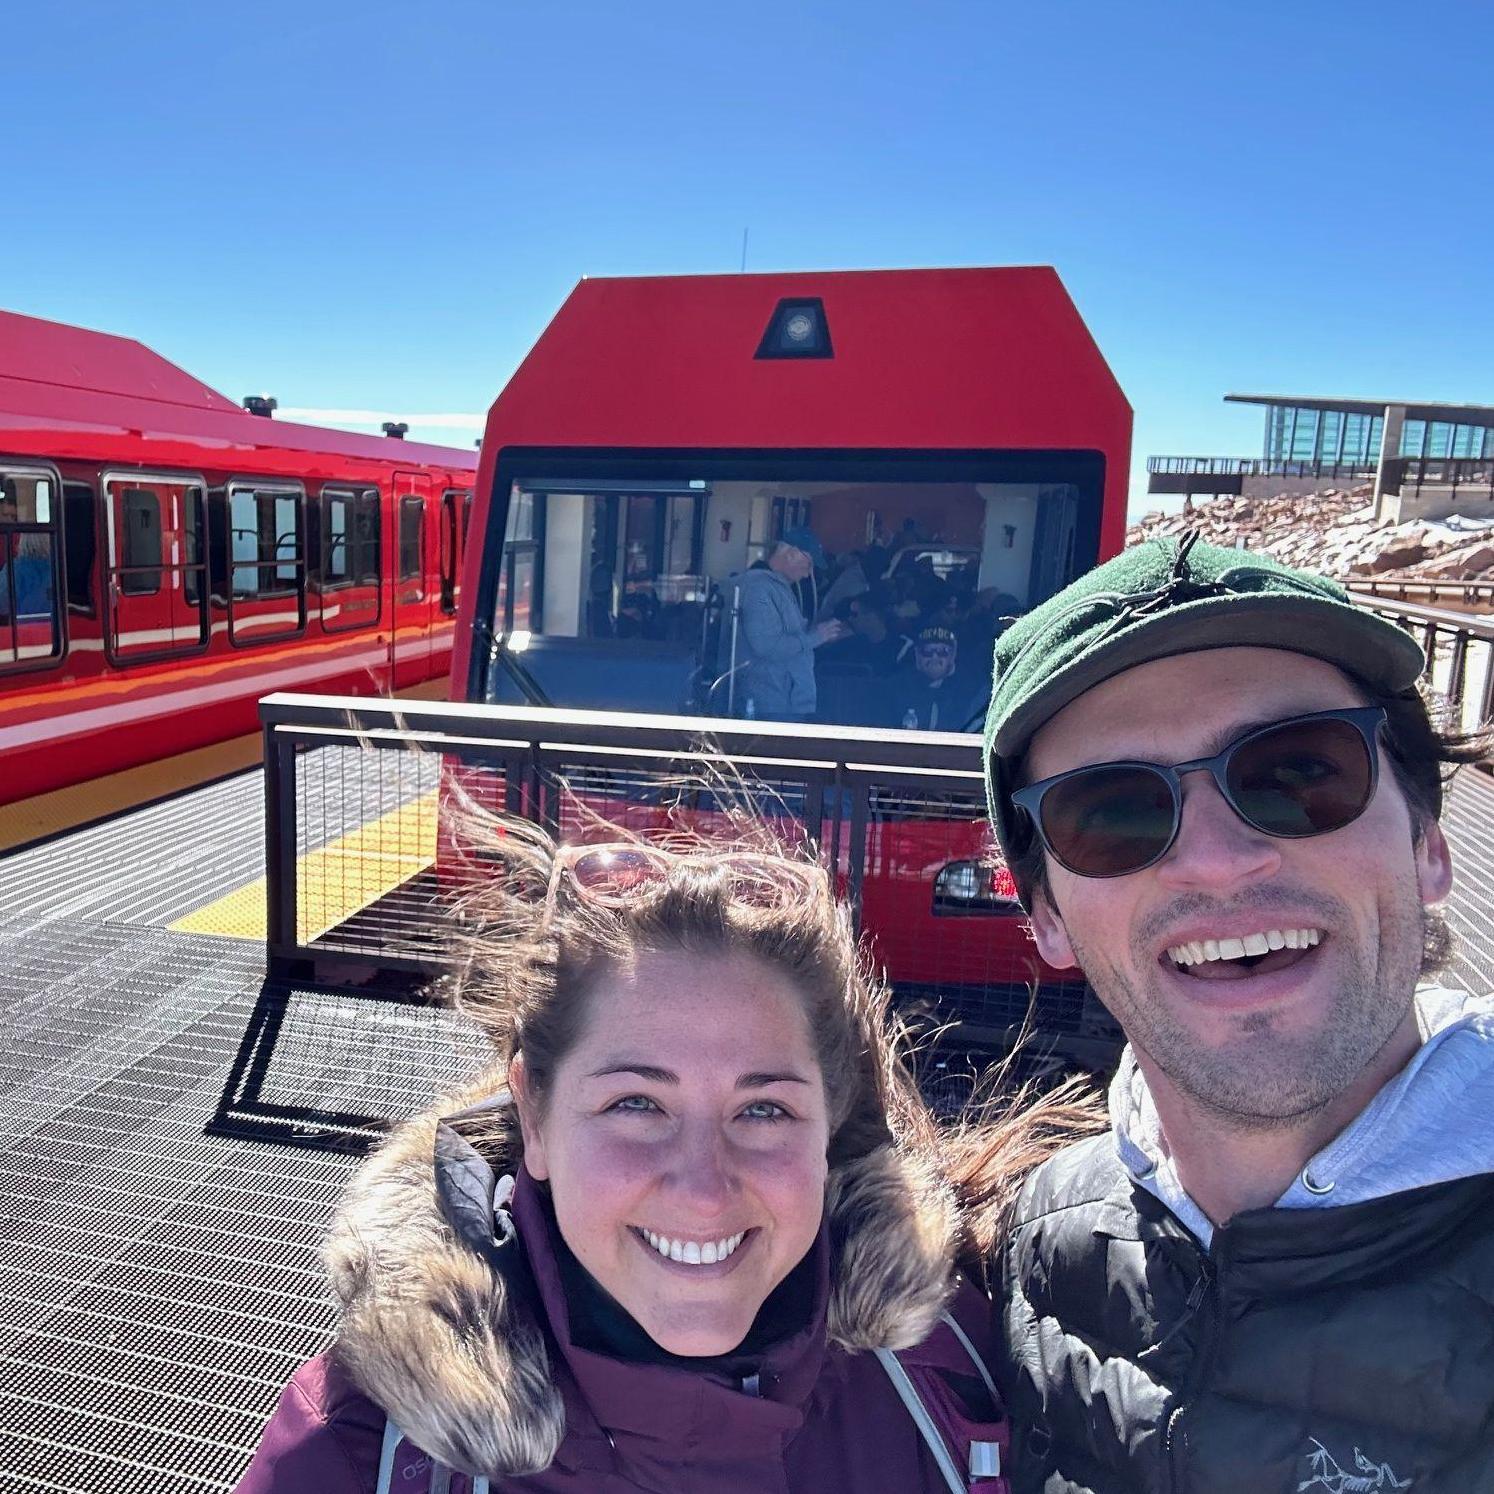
x: 773, y: 643
x: 1429, y: 1124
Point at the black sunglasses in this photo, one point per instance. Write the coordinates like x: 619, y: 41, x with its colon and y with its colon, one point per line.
x: 1307, y: 776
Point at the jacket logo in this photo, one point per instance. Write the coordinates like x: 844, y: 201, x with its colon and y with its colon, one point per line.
x: 1326, y: 1474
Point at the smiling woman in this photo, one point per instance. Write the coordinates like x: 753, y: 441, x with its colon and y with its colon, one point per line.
x: 689, y: 1232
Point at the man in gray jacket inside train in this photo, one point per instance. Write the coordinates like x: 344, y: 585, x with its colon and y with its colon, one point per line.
x: 769, y: 643
x: 1219, y: 790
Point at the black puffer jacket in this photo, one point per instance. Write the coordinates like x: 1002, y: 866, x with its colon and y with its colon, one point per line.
x: 1308, y: 1351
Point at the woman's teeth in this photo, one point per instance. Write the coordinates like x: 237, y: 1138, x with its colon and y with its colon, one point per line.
x: 1204, y: 951
x: 694, y: 1252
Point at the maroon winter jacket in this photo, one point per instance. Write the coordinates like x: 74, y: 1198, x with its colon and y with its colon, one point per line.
x: 479, y: 1368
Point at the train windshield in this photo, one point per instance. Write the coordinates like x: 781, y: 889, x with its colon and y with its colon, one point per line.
x: 858, y: 593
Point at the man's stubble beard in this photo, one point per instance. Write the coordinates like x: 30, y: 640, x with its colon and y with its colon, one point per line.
x: 1266, y: 1079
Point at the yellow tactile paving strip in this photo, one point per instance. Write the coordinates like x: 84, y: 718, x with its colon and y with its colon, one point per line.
x: 66, y: 809
x: 334, y: 882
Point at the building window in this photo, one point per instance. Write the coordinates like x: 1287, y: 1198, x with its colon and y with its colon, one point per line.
x: 1330, y: 436
x: 1278, y: 432
x: 1413, y: 438
x: 1305, y: 436
x: 30, y: 615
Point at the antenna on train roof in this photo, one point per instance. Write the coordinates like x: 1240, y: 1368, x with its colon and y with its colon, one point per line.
x: 395, y: 429
x: 744, y: 251
x: 261, y: 404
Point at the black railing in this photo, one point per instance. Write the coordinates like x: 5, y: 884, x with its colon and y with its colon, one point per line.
x: 1475, y: 595
x: 1188, y: 466
x: 1471, y: 477
x: 1460, y: 654
x: 365, y: 871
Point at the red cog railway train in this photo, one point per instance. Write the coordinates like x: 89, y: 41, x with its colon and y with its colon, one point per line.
x: 956, y: 431
x: 167, y: 558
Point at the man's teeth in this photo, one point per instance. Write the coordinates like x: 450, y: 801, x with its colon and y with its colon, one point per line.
x: 694, y: 1252
x: 1203, y: 951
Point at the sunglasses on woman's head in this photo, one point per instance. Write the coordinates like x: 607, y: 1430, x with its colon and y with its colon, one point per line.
x: 1309, y: 775
x: 614, y: 872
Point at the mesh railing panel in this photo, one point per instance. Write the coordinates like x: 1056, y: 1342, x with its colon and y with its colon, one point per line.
x: 379, y: 867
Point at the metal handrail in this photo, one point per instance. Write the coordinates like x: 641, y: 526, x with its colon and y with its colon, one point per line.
x: 1434, y: 587
x: 1418, y: 614
x: 1457, y: 645
x: 1205, y: 466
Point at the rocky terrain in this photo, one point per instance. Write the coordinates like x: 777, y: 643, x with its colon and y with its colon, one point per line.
x: 1334, y: 532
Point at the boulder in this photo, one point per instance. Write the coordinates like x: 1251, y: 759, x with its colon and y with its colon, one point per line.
x: 1396, y: 554
x: 1462, y: 564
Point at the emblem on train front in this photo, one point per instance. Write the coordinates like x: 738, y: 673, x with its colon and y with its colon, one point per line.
x: 1327, y: 1475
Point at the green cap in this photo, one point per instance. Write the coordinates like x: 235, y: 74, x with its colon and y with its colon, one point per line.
x: 1168, y: 597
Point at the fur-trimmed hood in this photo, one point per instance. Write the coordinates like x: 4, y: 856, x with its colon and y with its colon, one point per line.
x: 462, y: 1361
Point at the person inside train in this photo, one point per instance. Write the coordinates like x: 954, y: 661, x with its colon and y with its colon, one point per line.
x: 25, y: 562
x: 869, y: 642
x: 988, y: 615
x: 690, y: 1229
x: 935, y: 694
x: 849, y: 580
x: 769, y: 645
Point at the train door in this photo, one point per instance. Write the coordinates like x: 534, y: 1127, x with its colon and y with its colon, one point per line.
x: 413, y: 604
x: 156, y: 588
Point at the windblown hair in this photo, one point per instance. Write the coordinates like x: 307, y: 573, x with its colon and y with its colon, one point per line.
x: 539, y: 946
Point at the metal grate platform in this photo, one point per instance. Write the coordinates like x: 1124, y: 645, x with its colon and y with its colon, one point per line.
x: 158, y: 1286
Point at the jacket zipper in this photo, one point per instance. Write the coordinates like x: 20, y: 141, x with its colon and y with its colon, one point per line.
x: 1211, y: 1269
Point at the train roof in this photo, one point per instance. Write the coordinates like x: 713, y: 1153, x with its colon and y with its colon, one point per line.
x: 927, y: 359
x: 62, y: 379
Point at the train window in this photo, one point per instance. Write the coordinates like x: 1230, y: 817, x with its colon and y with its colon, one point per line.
x: 140, y: 541
x: 30, y: 617
x: 631, y: 581
x: 349, y: 560
x: 453, y: 546
x: 412, y: 547
x: 81, y: 548
x: 517, y: 605
x: 155, y: 591
x: 266, y: 561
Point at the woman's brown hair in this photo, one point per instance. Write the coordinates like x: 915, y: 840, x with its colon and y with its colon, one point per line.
x: 540, y: 947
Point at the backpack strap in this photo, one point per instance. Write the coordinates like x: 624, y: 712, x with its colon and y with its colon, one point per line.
x: 392, y: 1437
x: 908, y: 1394
x: 440, y: 1482
x: 985, y: 1457
x: 975, y: 1358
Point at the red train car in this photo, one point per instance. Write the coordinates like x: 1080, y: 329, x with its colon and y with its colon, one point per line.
x: 167, y: 558
x: 953, y: 436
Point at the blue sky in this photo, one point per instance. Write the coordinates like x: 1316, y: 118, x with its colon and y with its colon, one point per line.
x: 370, y: 206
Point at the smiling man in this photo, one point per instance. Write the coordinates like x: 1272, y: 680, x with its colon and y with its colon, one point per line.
x: 1218, y: 790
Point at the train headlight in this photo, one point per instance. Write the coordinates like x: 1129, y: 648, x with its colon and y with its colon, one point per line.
x: 797, y: 329
x: 974, y: 887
